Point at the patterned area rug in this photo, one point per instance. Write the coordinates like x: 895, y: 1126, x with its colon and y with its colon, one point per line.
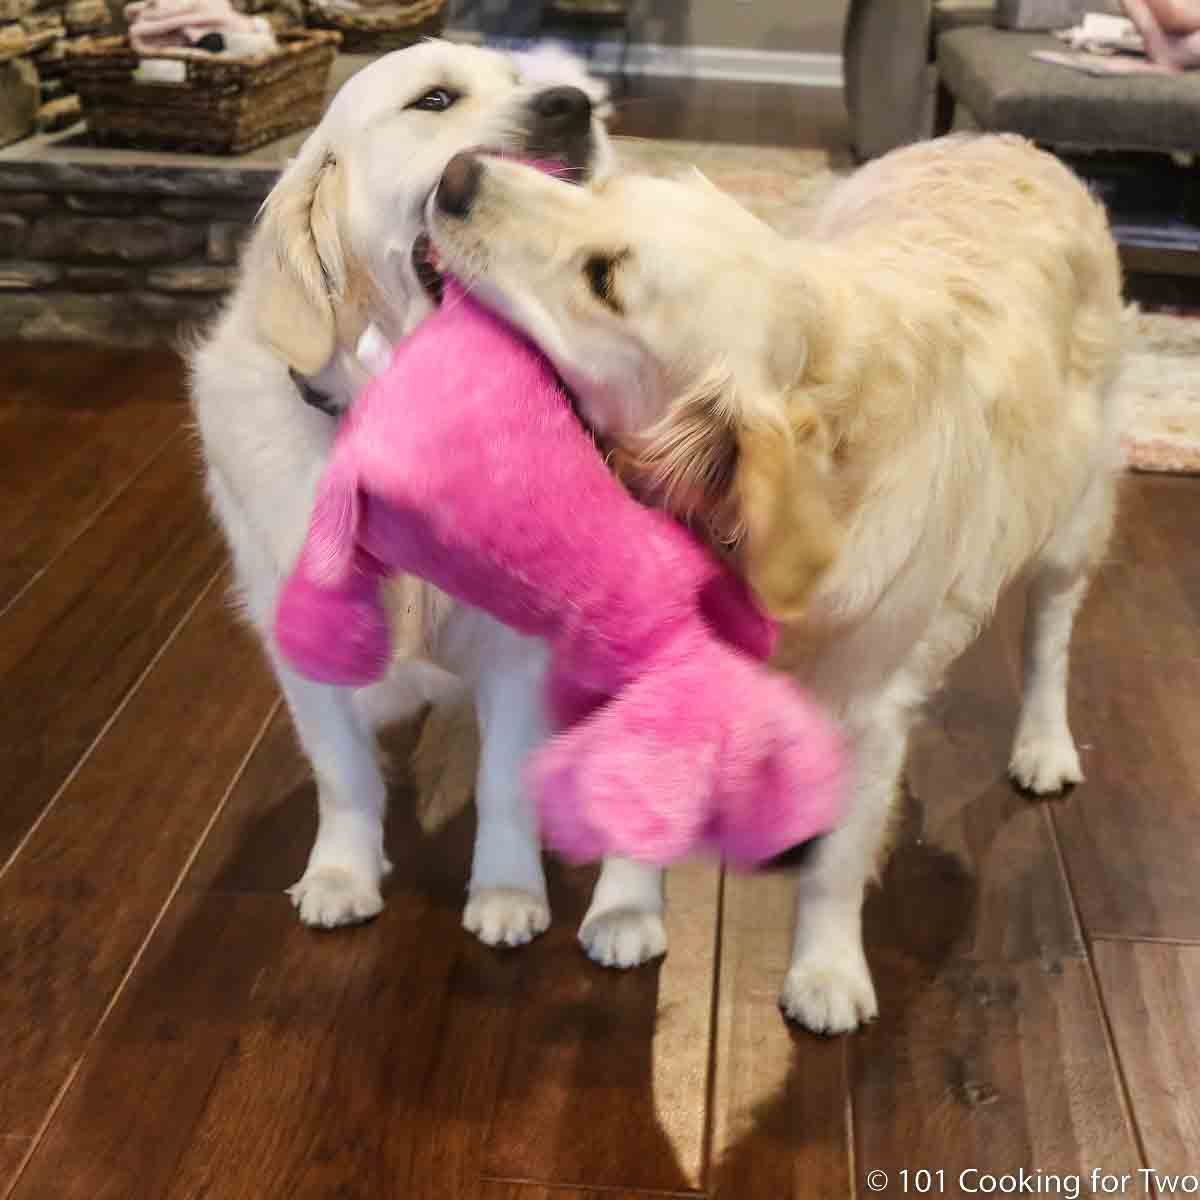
x: 1161, y: 380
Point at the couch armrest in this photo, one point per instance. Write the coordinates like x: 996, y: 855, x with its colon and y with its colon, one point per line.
x: 885, y: 64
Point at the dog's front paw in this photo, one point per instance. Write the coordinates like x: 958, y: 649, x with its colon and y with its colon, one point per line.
x: 506, y: 916
x: 624, y: 937
x: 830, y: 993
x: 1044, y: 764
x: 331, y: 896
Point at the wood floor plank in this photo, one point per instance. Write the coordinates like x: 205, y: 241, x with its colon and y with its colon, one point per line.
x: 990, y: 1052
x: 84, y: 458
x: 73, y: 644
x: 303, y: 1079
x: 605, y: 1079
x: 79, y: 900
x: 295, y: 1063
x: 158, y: 1055
x: 1152, y: 994
x: 262, y: 839
x: 1129, y: 834
x: 67, y: 375
x: 491, y: 1190
x: 988, y: 1067
x: 973, y: 906
x: 451, y: 1122
x: 12, y: 1152
x: 781, y: 1122
x: 1172, y: 503
x: 317, y: 1057
x: 975, y: 873
x: 1145, y: 600
x: 367, y: 1060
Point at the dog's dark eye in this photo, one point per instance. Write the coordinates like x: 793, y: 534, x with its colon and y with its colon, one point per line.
x: 599, y: 275
x: 437, y: 100
x: 600, y: 271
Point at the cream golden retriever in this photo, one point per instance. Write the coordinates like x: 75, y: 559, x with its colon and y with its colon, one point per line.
x: 336, y: 270
x: 884, y: 422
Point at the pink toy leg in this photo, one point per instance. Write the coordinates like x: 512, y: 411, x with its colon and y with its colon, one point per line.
x: 335, y: 632
x: 705, y: 748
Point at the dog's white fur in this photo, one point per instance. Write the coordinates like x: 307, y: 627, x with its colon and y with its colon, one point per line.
x: 327, y: 273
x: 886, y: 421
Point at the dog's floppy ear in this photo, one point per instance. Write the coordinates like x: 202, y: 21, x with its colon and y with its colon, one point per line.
x: 750, y: 477
x: 304, y: 268
x: 789, y: 533
x: 696, y: 179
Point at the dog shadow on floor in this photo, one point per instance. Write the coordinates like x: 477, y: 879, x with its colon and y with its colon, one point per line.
x: 796, y: 1138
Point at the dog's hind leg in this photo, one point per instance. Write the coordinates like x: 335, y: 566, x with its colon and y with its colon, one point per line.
x: 1044, y: 758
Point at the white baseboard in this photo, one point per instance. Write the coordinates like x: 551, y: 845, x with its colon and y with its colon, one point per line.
x: 796, y: 67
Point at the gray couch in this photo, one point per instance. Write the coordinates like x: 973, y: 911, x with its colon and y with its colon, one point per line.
x: 888, y: 49
x: 910, y: 63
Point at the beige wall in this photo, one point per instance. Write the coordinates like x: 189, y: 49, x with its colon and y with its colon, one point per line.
x: 814, y: 25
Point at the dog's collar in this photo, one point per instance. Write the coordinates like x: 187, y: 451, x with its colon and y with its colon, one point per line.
x: 373, y: 352
x: 311, y: 395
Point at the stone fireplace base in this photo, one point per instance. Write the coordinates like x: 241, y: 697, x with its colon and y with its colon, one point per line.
x: 125, y: 247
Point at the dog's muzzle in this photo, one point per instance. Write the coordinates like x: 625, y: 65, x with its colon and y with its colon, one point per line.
x: 560, y: 126
x: 459, y: 184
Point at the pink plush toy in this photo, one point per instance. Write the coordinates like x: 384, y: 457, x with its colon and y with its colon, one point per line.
x: 464, y: 464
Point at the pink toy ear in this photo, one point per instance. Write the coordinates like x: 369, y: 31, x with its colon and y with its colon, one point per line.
x: 337, y: 633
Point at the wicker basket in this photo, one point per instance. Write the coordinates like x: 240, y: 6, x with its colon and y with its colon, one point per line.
x: 373, y: 29
x: 222, y: 106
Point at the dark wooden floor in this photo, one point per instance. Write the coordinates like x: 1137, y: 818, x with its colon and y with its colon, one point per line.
x: 170, y: 1030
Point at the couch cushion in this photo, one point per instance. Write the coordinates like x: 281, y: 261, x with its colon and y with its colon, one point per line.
x: 990, y: 72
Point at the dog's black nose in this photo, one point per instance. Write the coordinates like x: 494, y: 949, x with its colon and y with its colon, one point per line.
x: 562, y: 112
x: 459, y: 185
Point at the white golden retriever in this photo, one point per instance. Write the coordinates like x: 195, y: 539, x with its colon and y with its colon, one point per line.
x: 335, y: 270
x: 920, y: 390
